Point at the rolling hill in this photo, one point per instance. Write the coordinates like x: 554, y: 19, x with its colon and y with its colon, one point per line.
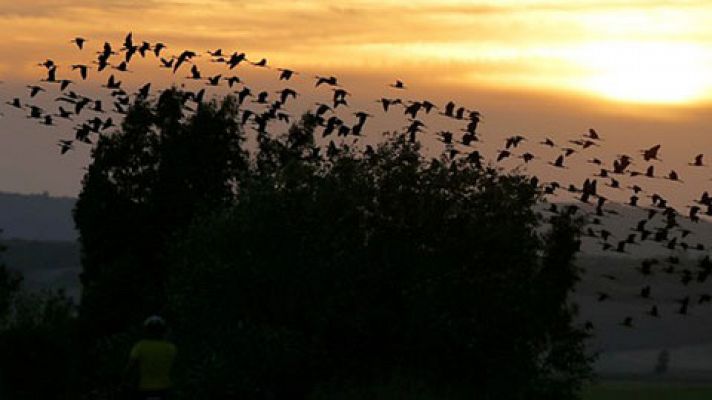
x: 37, y: 217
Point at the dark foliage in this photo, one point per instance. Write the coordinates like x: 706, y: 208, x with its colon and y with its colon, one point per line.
x: 38, y: 348
x: 145, y: 183
x: 37, y: 342
x: 364, y: 265
x: 10, y: 282
x: 295, y: 268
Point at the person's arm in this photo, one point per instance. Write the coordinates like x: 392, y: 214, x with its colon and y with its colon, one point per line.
x: 131, y: 370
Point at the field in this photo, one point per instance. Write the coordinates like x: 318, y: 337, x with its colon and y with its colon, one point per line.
x: 648, y: 391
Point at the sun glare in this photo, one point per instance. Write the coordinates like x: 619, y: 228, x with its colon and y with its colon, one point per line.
x: 673, y: 73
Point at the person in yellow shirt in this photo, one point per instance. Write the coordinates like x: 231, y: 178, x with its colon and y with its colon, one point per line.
x: 151, y: 361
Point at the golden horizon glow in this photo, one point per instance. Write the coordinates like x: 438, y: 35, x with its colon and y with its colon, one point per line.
x: 638, y: 52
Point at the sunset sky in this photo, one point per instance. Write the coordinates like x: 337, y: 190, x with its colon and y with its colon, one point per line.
x: 639, y: 71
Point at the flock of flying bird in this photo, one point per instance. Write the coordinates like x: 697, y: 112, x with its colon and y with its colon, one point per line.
x: 672, y: 229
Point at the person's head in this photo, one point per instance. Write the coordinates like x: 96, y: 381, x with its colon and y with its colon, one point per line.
x: 155, y: 327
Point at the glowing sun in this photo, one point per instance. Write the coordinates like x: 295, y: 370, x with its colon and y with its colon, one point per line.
x: 644, y: 72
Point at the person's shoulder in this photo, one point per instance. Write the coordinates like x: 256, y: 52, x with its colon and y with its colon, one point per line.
x: 163, y: 344
x: 138, y: 348
x: 170, y: 346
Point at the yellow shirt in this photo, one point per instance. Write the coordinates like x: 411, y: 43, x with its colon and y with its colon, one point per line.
x: 155, y: 360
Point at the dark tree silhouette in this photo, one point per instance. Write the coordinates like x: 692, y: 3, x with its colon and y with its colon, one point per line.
x: 303, y: 265
x: 10, y: 282
x: 146, y: 182
x: 369, y: 265
x: 37, y: 339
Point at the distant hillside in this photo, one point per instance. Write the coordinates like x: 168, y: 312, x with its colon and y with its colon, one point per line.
x: 36, y: 217
x: 44, y: 265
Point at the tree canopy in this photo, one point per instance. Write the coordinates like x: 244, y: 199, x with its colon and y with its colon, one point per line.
x: 144, y: 184
x: 302, y: 264
x: 37, y: 340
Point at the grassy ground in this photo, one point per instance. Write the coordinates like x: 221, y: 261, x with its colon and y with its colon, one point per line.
x: 648, y: 391
x: 642, y: 389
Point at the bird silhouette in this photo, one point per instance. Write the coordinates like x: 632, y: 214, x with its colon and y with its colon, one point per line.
x: 285, y: 74
x: 398, y: 85
x: 262, y: 63
x: 128, y: 41
x: 413, y: 109
x: 35, y: 112
x: 445, y: 137
x: 112, y: 83
x: 79, y: 42
x: 449, y: 110
x: 503, y: 154
x: 82, y: 70
x: 645, y: 292
x: 286, y: 93
x: 243, y: 94
x: 143, y: 92
x: 185, y: 56
x: 331, y: 81
x: 232, y: 80
x: 48, y: 64
x: 413, y: 129
x: 107, y: 51
x: 460, y: 113
x: 214, y: 80
x: 262, y: 98
x: 123, y: 67
x: 35, y: 89
x: 698, y: 162
x: 167, y: 63
x: 64, y: 113
x: 80, y: 104
x: 592, y: 134
x: 65, y: 146
x: 386, y: 103
x: 362, y: 117
x: 157, y: 48
x: 195, y: 73
x: 236, y: 59
x: 468, y: 138
x: 548, y: 142
x: 527, y: 157
x: 559, y: 162
x: 51, y: 75
x: 144, y: 48
x: 331, y: 125
x: 684, y: 306
x: 651, y: 153
x: 621, y: 164
x: 14, y: 103
x: 654, y: 311
x: 673, y: 176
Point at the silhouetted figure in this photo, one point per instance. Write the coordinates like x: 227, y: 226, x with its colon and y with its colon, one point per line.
x: 663, y: 362
x: 151, y: 361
